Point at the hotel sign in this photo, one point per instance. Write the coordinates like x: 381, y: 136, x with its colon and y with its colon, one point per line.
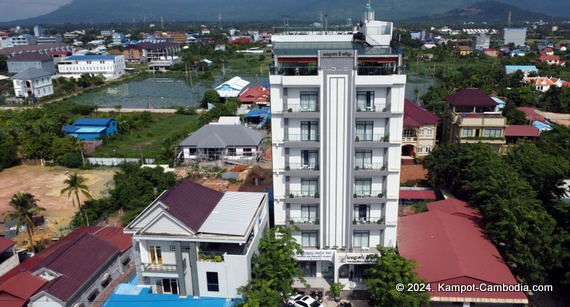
x: 316, y: 255
x: 336, y: 54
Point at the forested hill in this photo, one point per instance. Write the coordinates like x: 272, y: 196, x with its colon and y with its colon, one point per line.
x: 335, y: 11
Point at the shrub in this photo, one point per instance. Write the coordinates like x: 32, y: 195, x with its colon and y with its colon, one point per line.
x: 72, y: 160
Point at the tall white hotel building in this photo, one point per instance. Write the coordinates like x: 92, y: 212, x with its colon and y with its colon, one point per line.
x: 337, y: 102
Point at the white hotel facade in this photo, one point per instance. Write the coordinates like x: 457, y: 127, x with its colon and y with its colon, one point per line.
x: 109, y: 66
x: 337, y: 115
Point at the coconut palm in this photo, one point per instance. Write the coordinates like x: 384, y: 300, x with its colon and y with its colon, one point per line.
x: 25, y: 207
x: 76, y: 184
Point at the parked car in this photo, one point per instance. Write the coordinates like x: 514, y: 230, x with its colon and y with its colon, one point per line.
x: 304, y: 301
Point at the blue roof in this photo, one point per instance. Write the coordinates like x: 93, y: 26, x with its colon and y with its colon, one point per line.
x: 257, y: 113
x: 521, y: 67
x: 93, y: 121
x: 90, y: 58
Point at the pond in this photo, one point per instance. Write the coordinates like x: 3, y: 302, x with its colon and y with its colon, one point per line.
x: 176, y: 90
x: 157, y: 92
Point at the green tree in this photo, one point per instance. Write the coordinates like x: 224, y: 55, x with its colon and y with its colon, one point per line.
x: 25, y: 206
x: 210, y: 96
x: 389, y: 270
x: 76, y: 184
x: 8, y: 152
x: 273, y: 270
x: 514, y: 116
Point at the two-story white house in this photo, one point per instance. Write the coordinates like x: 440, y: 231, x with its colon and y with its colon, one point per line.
x: 109, y: 66
x: 21, y: 61
x: 32, y: 82
x: 193, y: 240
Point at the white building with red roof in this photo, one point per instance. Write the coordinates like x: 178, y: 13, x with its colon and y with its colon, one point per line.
x: 420, y: 127
x: 196, y: 241
x: 451, y: 249
x: 543, y: 84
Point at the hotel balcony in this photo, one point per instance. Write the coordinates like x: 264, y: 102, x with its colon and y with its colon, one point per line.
x: 368, y: 223
x: 300, y: 111
x: 160, y: 268
x: 304, y: 224
x: 299, y: 169
x: 480, y: 119
x: 310, y: 69
x: 302, y: 140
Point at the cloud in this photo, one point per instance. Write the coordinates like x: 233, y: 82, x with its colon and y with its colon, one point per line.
x: 20, y: 9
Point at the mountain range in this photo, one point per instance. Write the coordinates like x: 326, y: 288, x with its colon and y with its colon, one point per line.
x: 336, y: 11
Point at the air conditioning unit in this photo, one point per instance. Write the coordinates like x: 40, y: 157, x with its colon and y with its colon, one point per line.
x: 105, y: 277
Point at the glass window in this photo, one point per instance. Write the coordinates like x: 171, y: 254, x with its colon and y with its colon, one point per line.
x: 361, y: 238
x: 309, y: 238
x: 364, y: 130
x: 212, y: 281
x: 309, y: 130
x: 247, y: 152
x: 409, y: 133
x: 309, y: 187
x: 170, y: 285
x: 309, y: 101
x: 493, y: 132
x: 363, y: 158
x: 467, y: 132
x: 309, y: 213
x: 362, y: 212
x: 155, y: 254
x: 363, y: 187
x: 365, y: 101
x: 310, y: 158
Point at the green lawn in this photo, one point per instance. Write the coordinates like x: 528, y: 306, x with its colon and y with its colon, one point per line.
x: 148, y: 140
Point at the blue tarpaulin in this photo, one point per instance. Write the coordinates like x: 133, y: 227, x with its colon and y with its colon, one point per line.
x: 257, y: 113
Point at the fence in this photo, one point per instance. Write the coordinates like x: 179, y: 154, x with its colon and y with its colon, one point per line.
x: 116, y: 161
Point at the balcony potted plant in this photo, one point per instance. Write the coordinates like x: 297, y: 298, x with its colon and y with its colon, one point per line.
x: 317, y: 195
x: 380, y: 195
x: 291, y: 195
x: 357, y: 139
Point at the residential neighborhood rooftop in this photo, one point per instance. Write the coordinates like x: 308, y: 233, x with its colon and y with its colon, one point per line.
x: 470, y: 97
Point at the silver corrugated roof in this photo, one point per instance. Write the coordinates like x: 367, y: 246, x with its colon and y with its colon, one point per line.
x: 221, y: 136
x: 233, y: 214
x: 31, y: 73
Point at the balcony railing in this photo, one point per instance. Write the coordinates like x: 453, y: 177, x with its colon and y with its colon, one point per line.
x: 371, y: 166
x: 369, y: 194
x: 159, y: 267
x: 303, y: 194
x: 409, y: 139
x: 372, y: 138
x: 302, y: 137
x: 300, y: 221
x: 381, y: 70
x: 301, y: 108
x: 301, y: 167
x: 295, y: 70
x: 373, y: 108
x: 368, y: 221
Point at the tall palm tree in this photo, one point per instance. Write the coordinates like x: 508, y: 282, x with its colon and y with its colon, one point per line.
x: 25, y: 207
x: 76, y: 184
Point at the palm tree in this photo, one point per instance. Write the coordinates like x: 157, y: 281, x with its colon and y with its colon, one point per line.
x: 76, y: 184
x: 25, y: 207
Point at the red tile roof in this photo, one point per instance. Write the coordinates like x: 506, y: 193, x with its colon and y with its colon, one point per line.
x: 17, y: 290
x: 417, y: 194
x: 549, y: 58
x: 470, y: 97
x: 191, y: 203
x: 532, y: 115
x: 112, y: 235
x: 416, y: 116
x: 77, y: 262
x: 451, y: 247
x: 255, y: 94
x: 522, y: 130
x: 5, y: 244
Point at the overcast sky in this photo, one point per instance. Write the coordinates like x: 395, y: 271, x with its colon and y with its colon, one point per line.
x: 19, y: 9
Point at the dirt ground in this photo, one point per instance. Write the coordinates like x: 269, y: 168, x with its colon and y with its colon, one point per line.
x: 557, y: 118
x: 46, y: 183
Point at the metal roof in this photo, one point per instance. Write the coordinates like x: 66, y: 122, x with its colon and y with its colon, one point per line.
x: 31, y: 73
x: 93, y: 121
x: 232, y: 87
x: 233, y: 214
x: 222, y: 136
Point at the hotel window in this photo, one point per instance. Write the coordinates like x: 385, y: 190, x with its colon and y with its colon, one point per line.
x: 362, y: 213
x: 493, y: 132
x: 212, y: 281
x: 467, y: 132
x: 309, y: 239
x: 231, y: 152
x: 310, y: 158
x: 365, y: 101
x: 309, y: 187
x: 429, y: 132
x: 247, y: 152
x: 309, y: 101
x: 363, y: 187
x: 155, y: 254
x: 309, y: 130
x: 361, y: 238
x: 363, y: 159
x: 309, y: 213
x: 364, y: 130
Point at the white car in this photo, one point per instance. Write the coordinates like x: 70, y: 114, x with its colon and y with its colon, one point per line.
x: 304, y: 301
